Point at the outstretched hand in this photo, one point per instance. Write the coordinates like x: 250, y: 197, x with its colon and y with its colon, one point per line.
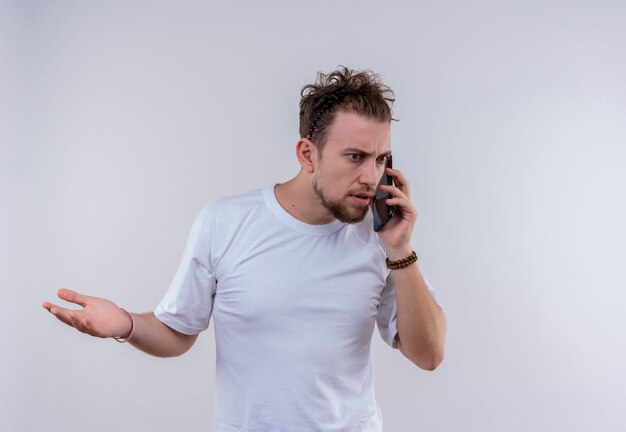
x: 98, y: 317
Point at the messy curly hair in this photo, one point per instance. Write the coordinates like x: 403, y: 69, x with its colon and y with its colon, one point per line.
x: 360, y: 92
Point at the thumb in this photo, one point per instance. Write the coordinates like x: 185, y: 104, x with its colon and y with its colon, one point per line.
x: 72, y: 297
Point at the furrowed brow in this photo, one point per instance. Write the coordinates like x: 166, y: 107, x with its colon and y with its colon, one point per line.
x: 357, y: 151
x: 364, y: 153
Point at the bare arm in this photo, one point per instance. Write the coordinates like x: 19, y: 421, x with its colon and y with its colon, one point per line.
x: 102, y: 318
x: 421, y: 322
x: 154, y: 337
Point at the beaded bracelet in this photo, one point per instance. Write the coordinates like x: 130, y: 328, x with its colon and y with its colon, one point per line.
x: 126, y: 338
x: 401, y: 263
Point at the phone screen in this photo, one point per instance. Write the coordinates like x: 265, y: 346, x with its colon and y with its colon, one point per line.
x: 381, y: 211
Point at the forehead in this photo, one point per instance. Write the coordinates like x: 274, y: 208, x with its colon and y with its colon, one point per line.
x: 351, y: 130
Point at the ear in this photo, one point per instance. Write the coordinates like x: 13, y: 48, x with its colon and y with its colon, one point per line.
x: 306, y: 152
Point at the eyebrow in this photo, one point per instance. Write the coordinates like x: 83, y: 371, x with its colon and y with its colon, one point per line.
x: 364, y: 153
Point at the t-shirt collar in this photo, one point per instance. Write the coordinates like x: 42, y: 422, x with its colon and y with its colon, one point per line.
x: 295, y: 224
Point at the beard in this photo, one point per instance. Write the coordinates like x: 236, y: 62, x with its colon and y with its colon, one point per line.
x: 337, y: 208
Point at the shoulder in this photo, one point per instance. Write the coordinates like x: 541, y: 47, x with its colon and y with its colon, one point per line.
x: 225, y: 215
x: 227, y: 207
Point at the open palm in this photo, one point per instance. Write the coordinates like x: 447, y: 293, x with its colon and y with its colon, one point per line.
x: 98, y: 317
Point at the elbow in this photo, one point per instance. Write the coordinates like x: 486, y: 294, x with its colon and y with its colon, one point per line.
x: 427, y: 353
x: 431, y: 362
x: 428, y: 359
x: 168, y: 353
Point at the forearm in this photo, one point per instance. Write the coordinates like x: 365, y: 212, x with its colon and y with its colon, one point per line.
x: 153, y: 337
x: 420, y: 321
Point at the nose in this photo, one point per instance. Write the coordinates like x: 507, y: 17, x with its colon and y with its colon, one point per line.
x: 370, y: 173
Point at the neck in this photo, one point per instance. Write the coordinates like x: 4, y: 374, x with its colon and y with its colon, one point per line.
x: 298, y: 199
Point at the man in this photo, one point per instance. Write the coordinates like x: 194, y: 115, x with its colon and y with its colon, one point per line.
x: 295, y: 278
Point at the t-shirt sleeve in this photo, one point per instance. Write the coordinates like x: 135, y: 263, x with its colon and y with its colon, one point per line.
x: 386, y: 316
x: 188, y: 303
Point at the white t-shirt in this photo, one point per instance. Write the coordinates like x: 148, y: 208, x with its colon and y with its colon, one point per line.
x: 294, y: 307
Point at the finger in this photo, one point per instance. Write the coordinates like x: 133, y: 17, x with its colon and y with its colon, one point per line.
x: 395, y: 191
x: 403, y: 204
x: 72, y: 297
x: 394, y: 172
x: 52, y: 308
x: 407, y: 211
x: 62, y: 314
x: 400, y: 180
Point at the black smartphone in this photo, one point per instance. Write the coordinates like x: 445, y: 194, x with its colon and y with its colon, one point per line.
x: 381, y: 211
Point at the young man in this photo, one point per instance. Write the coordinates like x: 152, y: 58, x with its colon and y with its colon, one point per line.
x: 295, y: 278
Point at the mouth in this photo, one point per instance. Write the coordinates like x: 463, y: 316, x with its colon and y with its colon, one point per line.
x: 362, y: 199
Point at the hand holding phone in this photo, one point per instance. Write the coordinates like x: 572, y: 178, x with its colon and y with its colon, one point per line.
x: 381, y: 211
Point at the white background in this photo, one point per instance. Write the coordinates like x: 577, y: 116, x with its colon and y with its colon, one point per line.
x: 121, y: 119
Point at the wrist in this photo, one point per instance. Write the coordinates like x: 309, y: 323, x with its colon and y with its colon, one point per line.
x: 405, y: 262
x: 126, y: 337
x: 394, y: 254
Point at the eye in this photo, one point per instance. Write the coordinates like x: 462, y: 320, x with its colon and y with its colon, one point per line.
x: 382, y: 159
x: 355, y: 157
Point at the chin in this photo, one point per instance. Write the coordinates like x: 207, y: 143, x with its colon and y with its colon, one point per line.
x: 357, y: 217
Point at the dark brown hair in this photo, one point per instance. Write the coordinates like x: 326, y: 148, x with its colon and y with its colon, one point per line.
x: 361, y: 92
